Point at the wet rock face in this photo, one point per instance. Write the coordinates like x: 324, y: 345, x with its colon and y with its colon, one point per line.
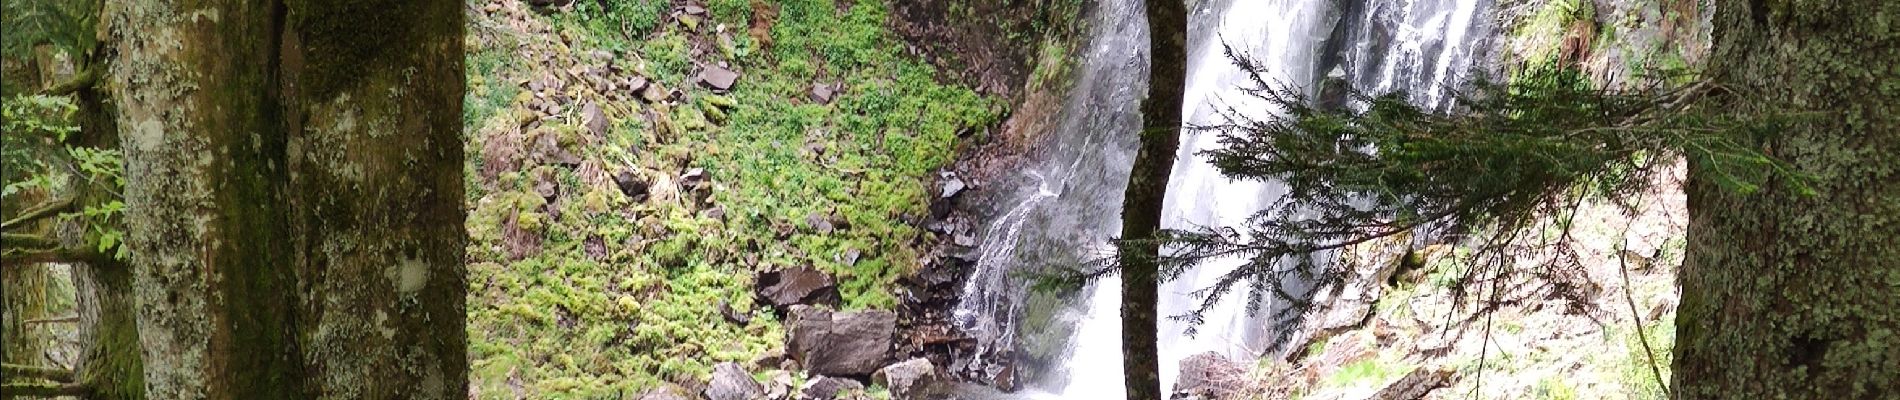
x: 730, y: 382
x: 915, y: 379
x: 840, y: 343
x: 794, y: 286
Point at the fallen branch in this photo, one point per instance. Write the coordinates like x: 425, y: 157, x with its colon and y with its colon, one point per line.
x: 1643, y: 337
x: 59, y: 255
x: 21, y: 240
x: 44, y: 210
x: 43, y: 390
x: 36, y: 372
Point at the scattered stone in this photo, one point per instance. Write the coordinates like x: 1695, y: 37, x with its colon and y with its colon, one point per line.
x: 829, y: 388
x: 718, y: 78
x: 915, y: 379
x: 819, y: 223
x: 822, y: 93
x: 666, y: 392
x: 594, y: 119
x: 733, y: 315
x: 690, y: 22
x: 636, y: 84
x: 595, y: 247
x: 840, y: 343
x: 952, y: 186
x: 654, y: 93
x: 716, y: 213
x: 693, y: 9
x: 693, y: 177
x: 731, y: 382
x: 793, y: 286
x: 632, y: 186
x: 778, y: 384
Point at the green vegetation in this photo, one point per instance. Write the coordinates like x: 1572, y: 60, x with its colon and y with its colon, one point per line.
x: 789, y: 182
x: 1369, y: 372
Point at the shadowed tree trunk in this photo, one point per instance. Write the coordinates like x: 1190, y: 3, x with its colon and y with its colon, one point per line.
x: 1147, y: 188
x: 294, y: 196
x: 1787, y: 295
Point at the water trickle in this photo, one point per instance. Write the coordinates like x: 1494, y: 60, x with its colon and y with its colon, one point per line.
x: 1071, y: 199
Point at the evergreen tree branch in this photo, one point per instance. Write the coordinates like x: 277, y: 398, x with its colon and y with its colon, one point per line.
x: 37, y: 372
x: 44, y: 210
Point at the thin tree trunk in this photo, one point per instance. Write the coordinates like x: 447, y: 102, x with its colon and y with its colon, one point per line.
x: 1147, y: 188
x: 1788, y: 295
x: 294, y: 196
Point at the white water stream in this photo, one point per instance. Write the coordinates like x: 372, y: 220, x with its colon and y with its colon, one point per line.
x: 1071, y: 198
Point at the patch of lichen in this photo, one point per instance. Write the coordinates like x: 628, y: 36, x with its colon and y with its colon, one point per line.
x: 789, y: 181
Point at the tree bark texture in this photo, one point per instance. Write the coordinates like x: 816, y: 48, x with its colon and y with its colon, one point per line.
x: 1147, y: 189
x: 294, y: 196
x: 1788, y: 295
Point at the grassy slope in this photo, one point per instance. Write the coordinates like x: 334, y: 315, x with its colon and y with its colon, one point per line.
x: 561, y: 324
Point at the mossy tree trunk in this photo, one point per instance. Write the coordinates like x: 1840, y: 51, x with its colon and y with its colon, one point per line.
x: 110, y: 362
x: 1147, y: 189
x: 1788, y: 295
x: 294, y: 196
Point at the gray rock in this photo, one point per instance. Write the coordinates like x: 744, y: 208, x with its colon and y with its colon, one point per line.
x: 731, y: 382
x: 594, y: 119
x: 829, y: 388
x: 718, y: 78
x: 840, y: 343
x: 791, y: 286
x: 822, y: 93
x: 952, y: 186
x: 915, y: 379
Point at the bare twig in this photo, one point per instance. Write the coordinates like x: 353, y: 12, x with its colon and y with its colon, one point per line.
x: 1623, y: 266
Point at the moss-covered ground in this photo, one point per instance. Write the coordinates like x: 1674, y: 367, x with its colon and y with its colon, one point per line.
x: 577, y: 290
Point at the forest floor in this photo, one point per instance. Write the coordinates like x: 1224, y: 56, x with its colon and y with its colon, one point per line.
x: 625, y: 188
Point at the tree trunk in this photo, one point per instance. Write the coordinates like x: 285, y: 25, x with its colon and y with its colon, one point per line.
x: 294, y: 196
x: 110, y: 364
x: 1147, y: 188
x: 1787, y: 295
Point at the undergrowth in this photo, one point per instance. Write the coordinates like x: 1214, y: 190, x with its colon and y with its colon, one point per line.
x: 838, y: 186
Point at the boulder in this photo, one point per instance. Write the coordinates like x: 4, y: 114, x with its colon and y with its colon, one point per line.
x: 840, y: 343
x: 731, y: 382
x: 829, y: 388
x: 915, y: 379
x: 802, y: 285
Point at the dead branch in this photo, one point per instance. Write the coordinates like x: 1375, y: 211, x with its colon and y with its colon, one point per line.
x: 47, y: 209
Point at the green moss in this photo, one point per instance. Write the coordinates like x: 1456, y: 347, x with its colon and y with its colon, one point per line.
x: 567, y: 325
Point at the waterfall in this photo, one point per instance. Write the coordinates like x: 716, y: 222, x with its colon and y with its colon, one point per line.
x: 1070, y: 199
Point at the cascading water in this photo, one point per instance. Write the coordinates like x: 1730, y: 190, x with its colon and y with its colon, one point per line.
x: 1073, y: 193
